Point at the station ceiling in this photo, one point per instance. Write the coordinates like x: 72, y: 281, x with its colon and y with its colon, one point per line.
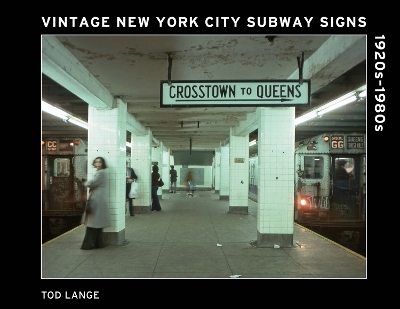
x: 131, y: 68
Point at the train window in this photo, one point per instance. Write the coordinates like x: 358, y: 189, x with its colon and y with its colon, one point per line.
x: 344, y: 168
x: 61, y: 167
x: 313, y: 167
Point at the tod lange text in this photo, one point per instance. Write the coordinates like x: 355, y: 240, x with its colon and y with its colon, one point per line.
x: 71, y: 295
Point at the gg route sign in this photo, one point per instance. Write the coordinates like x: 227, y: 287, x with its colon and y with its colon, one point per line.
x: 235, y: 93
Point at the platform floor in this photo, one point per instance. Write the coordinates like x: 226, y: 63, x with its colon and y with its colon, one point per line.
x: 195, y: 237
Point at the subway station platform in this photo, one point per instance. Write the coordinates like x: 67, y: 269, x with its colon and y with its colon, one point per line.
x: 195, y: 237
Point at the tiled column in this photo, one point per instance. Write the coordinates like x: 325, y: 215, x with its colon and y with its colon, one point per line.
x: 238, y: 173
x: 141, y: 163
x: 165, y: 169
x: 107, y: 139
x: 171, y: 159
x: 276, y: 133
x: 156, y: 156
x: 217, y: 174
x: 224, y: 189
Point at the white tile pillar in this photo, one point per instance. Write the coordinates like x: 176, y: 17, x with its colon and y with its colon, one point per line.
x: 238, y: 173
x: 165, y: 169
x: 224, y: 171
x: 171, y: 158
x: 157, y: 156
x: 141, y: 163
x: 217, y: 169
x: 275, y: 215
x: 107, y: 139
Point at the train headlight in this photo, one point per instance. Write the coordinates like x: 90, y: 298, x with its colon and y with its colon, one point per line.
x: 304, y: 202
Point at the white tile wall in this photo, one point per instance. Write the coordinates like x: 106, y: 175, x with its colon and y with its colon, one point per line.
x: 276, y: 160
x: 217, y: 170
x: 141, y: 163
x: 207, y: 176
x: 239, y: 172
x: 165, y: 168
x: 157, y: 156
x: 224, y: 171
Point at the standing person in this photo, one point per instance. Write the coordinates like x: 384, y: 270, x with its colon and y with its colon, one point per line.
x: 155, y: 176
x: 100, y: 216
x: 130, y: 177
x: 189, y: 181
x: 173, y: 176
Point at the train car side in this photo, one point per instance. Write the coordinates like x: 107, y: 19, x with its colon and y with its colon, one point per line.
x: 320, y: 194
x: 330, y: 178
x: 64, y: 170
x: 329, y: 188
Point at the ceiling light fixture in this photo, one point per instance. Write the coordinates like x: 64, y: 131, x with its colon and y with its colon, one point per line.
x: 343, y: 100
x: 55, y: 111
x: 253, y: 142
x: 362, y: 94
x: 328, y: 107
x: 78, y: 122
x: 65, y: 116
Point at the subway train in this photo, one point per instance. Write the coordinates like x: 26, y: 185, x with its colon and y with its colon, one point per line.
x: 330, y: 178
x: 64, y: 170
x: 329, y: 186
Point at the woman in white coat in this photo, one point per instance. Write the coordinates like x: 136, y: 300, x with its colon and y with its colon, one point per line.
x: 99, y: 217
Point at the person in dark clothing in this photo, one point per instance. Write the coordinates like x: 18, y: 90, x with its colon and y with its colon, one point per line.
x: 340, y: 171
x: 173, y: 176
x: 130, y: 177
x: 155, y: 176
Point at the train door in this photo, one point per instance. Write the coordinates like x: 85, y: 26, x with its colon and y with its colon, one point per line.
x: 60, y: 182
x: 345, y: 203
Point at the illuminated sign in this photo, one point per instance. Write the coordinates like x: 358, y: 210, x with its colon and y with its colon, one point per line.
x: 235, y: 93
x: 355, y: 142
x: 337, y: 142
x: 51, y: 145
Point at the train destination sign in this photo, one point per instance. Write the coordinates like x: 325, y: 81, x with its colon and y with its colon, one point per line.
x: 355, y: 142
x: 235, y: 93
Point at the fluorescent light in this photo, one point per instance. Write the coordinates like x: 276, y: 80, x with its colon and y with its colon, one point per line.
x: 305, y: 117
x: 78, y: 122
x: 253, y: 142
x: 50, y: 109
x: 331, y: 107
x: 328, y: 107
x: 55, y: 111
